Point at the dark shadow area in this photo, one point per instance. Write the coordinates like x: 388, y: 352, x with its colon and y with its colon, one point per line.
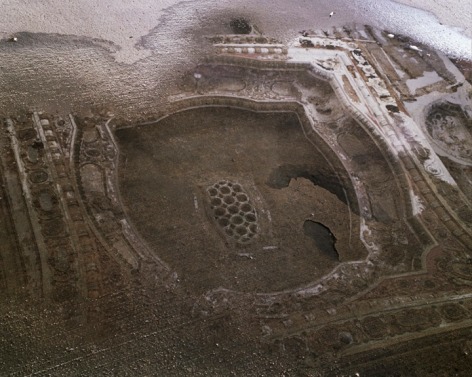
x: 240, y: 26
x: 281, y: 176
x: 324, y: 239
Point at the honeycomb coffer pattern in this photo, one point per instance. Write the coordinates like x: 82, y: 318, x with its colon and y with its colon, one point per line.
x: 233, y: 211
